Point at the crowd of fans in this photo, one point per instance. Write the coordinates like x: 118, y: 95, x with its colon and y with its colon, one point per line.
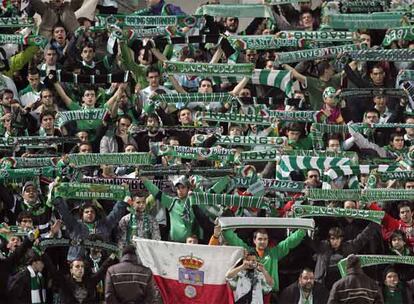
x: 280, y: 266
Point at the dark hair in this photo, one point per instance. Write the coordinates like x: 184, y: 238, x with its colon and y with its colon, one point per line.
x: 307, y: 269
x: 47, y: 113
x: 6, y: 91
x: 59, y: 24
x: 182, y: 109
x: 398, y: 233
x: 89, y: 45
x: 128, y: 249
x: 205, y: 79
x: 395, y: 134
x: 152, y: 69
x: 261, y: 230
x: 294, y: 126
x: 33, y: 71
x: 322, y: 66
x: 372, y: 111
x: 404, y: 204
x: 124, y: 116
x: 336, y: 232
x: 32, y: 256
x: 24, y: 214
x: 376, y: 66
x: 353, y: 261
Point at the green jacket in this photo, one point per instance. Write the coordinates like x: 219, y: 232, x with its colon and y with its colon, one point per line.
x: 272, y: 255
x: 183, y: 221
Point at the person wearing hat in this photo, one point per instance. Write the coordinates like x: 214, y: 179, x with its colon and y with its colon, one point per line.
x: 28, y: 285
x: 356, y: 286
x: 138, y: 222
x: 182, y: 218
x: 394, y: 290
x: 331, y: 111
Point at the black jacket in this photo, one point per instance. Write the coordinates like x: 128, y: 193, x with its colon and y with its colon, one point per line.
x: 291, y: 294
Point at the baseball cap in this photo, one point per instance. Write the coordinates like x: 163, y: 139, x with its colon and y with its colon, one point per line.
x: 28, y: 184
x: 181, y: 180
x: 329, y: 92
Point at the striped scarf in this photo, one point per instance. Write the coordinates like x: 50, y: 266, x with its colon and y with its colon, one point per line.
x: 63, y: 76
x: 16, y: 22
x: 288, y: 163
x: 274, y: 78
x: 335, y: 172
x: 37, y: 292
x: 231, y: 10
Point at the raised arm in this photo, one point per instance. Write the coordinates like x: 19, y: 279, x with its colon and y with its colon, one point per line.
x: 289, y: 243
x: 295, y: 74
x: 61, y: 92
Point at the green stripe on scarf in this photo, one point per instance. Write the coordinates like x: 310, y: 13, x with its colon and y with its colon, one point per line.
x: 370, y: 260
x: 316, y: 211
x: 91, y: 191
x: 233, y: 118
x: 202, y: 198
x: 23, y: 40
x: 266, y: 222
x: 225, y: 140
x: 96, y: 159
x: 234, y: 10
x: 66, y: 116
x: 328, y: 52
x: 208, y: 69
x: 275, y: 78
x: 335, y: 172
x: 37, y: 290
x: 364, y: 21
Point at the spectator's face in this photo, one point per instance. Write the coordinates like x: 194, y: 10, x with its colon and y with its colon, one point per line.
x: 312, y: 178
x: 335, y: 242
x: 350, y: 205
x: 366, y: 39
x: 34, y: 80
x: 409, y: 185
x: 182, y: 191
x: 38, y: 266
x: 130, y: 149
x: 89, y: 98
x: 245, y: 93
x: 7, y: 98
x: 293, y: 135
x: 174, y: 142
x: 30, y: 194
x: 252, y: 261
x: 152, y: 124
x: 57, y: 3
x: 47, y: 98
x: 261, y: 241
x: 140, y: 204
x: 191, y: 240
x: 406, y: 215
x: 307, y: 280
x: 380, y: 103
x: 152, y: 2
x: 185, y: 117
x: 59, y: 34
x: 77, y: 269
x: 391, y: 280
x: 334, y: 145
x: 83, y: 136
x: 85, y: 149
x: 89, y: 215
x: 26, y: 223
x: 269, y: 65
x: 398, y: 143
x: 47, y: 122
x: 410, y: 131
x: 153, y: 79
x: 307, y: 20
x: 50, y: 57
x: 231, y: 24
x: 371, y: 118
x: 251, y: 56
x: 205, y: 87
x: 141, y: 58
x: 235, y: 131
x: 88, y: 54
x: 377, y: 75
x: 397, y: 243
x: 13, y: 243
x: 123, y: 126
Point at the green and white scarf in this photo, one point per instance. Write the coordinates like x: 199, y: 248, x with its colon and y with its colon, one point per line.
x: 90, y: 191
x: 266, y: 222
x: 316, y: 211
x: 26, y: 162
x: 182, y: 170
x: 37, y: 290
x: 47, y: 243
x: 23, y: 40
x: 382, y: 55
x: 313, y: 54
x: 405, y: 75
x: 228, y: 140
x: 363, y: 6
x: 209, y: 69
x: 269, y: 184
x: 233, y: 118
x: 264, y: 42
x: 235, y: 10
x: 27, y: 173
x: 125, y: 159
x: 372, y: 92
x: 335, y: 172
x: 398, y: 175
x: 373, y: 21
x: 304, y: 116
x: 36, y: 141
x: 16, y: 22
x: 139, y: 21
x: 194, y: 97
x: 405, y: 33
x: 370, y: 260
x: 274, y: 78
x: 135, y: 184
x: 228, y: 200
x: 319, y: 35
x: 288, y: 163
x: 369, y: 195
x: 257, y: 156
x: 66, y: 116
x: 216, y: 154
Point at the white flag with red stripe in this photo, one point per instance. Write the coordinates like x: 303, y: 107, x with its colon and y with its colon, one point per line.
x: 189, y: 273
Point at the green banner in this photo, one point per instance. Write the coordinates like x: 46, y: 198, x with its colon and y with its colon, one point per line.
x: 228, y: 200
x: 362, y: 6
x: 319, y: 35
x: 405, y: 33
x: 236, y: 10
x: 66, y: 116
x: 91, y: 191
x: 233, y: 118
x: 316, y: 211
x: 11, y: 22
x: 139, y: 21
x: 364, y: 21
x: 228, y: 140
x: 399, y: 175
x: 28, y: 162
x: 257, y: 156
x: 23, y: 40
x: 370, y: 260
x: 122, y: 159
x: 370, y: 195
x: 208, y: 69
x: 265, y: 42
x: 27, y: 173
